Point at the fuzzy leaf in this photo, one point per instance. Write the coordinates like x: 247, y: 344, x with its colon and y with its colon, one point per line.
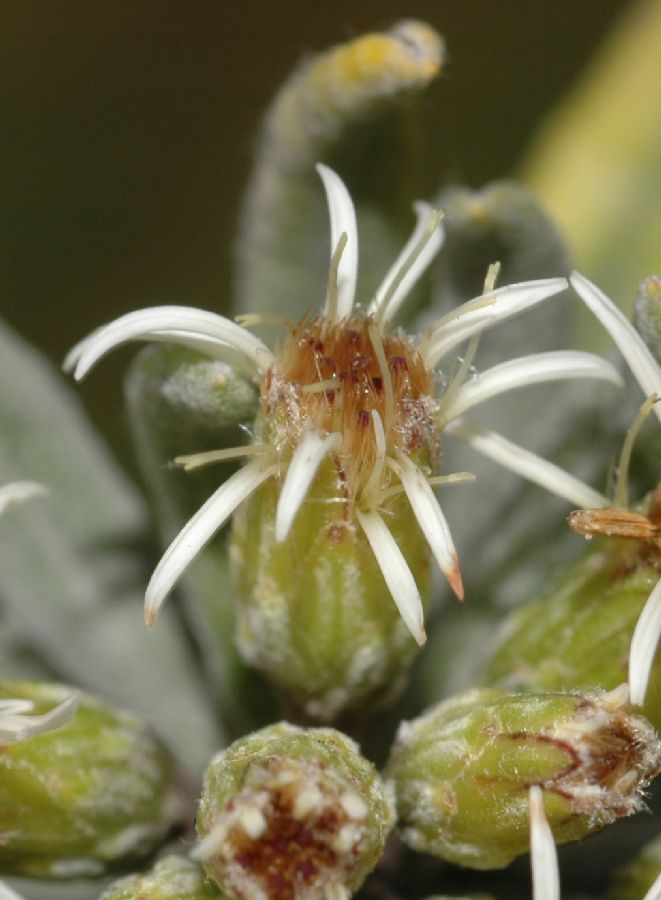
x: 71, y: 585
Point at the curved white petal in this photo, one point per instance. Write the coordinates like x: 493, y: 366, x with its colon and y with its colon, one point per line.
x: 527, y: 464
x: 484, y: 312
x: 307, y: 458
x: 18, y: 491
x: 395, y: 571
x: 17, y: 725
x: 534, y: 369
x: 181, y: 324
x: 343, y: 221
x: 633, y: 348
x: 431, y: 520
x: 199, y: 530
x: 413, y: 261
x: 543, y: 855
x: 643, y: 646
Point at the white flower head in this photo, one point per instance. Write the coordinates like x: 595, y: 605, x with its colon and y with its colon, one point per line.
x: 348, y: 389
x: 18, y: 723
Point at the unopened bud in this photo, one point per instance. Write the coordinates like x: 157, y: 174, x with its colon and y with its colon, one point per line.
x: 292, y: 813
x: 463, y: 771
x: 96, y: 789
x: 172, y: 878
x: 579, y: 637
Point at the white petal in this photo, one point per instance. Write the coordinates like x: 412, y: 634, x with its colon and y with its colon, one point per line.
x: 18, y: 491
x: 6, y: 893
x: 17, y: 725
x: 536, y: 469
x: 343, y: 221
x: 654, y: 892
x: 395, y: 571
x: 543, y: 855
x: 411, y: 264
x: 181, y: 324
x: 199, y: 530
x: 633, y: 348
x: 643, y: 646
x: 538, y: 367
x: 431, y: 520
x: 306, y: 460
x: 211, y: 843
x: 484, y: 312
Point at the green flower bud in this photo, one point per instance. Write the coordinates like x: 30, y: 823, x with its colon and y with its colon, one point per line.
x: 172, y: 878
x: 647, y: 313
x: 95, y: 790
x: 463, y: 771
x: 579, y: 637
x: 313, y: 612
x: 289, y: 812
x: 503, y: 222
x: 632, y: 882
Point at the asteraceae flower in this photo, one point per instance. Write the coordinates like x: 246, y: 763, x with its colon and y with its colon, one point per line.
x: 348, y: 389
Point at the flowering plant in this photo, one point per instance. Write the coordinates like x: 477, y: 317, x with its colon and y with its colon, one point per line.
x: 330, y: 440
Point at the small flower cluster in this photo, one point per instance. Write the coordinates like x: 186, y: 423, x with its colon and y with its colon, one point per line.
x: 349, y: 388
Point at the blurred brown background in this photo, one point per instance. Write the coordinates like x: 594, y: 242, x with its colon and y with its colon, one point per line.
x: 128, y: 130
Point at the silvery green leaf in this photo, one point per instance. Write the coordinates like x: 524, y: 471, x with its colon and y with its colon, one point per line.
x: 72, y: 582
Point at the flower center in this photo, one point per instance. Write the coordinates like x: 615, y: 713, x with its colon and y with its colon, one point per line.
x: 335, y: 377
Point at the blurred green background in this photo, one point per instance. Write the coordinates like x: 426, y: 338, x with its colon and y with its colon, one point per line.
x: 129, y: 130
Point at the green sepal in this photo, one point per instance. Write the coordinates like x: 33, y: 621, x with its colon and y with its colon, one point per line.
x: 96, y: 791
x: 313, y: 611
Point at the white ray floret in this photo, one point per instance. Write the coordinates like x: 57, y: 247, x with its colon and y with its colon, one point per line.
x: 482, y: 313
x: 180, y: 324
x: 211, y: 844
x: 543, y: 855
x: 307, y: 458
x: 643, y: 646
x: 415, y: 258
x: 343, y: 221
x: 18, y: 491
x: 431, y: 520
x: 534, y: 369
x: 16, y: 723
x: 395, y: 571
x: 199, y: 530
x: 633, y: 348
x: 527, y: 464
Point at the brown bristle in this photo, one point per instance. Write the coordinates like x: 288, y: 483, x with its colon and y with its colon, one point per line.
x: 300, y: 850
x: 323, y: 353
